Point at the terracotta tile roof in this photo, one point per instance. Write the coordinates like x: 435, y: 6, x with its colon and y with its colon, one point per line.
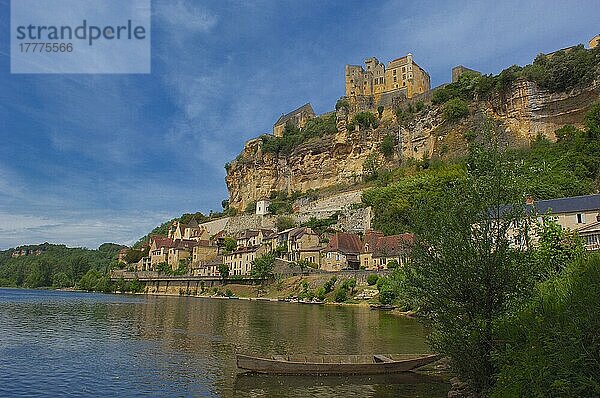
x: 161, y: 241
x: 345, y: 243
x: 394, y: 245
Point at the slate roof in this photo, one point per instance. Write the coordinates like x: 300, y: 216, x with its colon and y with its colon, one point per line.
x: 284, y: 118
x: 569, y: 205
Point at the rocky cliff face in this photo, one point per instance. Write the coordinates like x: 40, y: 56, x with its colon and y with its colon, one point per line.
x: 520, y: 116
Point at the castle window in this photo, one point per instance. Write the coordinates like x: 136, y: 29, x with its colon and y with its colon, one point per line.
x: 394, y: 71
x: 403, y: 69
x: 395, y: 78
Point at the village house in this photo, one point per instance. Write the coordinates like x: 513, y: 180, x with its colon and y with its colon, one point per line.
x: 159, y: 249
x: 209, y: 268
x: 121, y: 255
x: 145, y: 264
x: 190, y: 231
x: 240, y: 261
x: 204, y: 251
x: 578, y: 213
x: 379, y: 250
x: 252, y: 237
x: 296, y: 239
x: 181, y: 250
x: 342, y: 252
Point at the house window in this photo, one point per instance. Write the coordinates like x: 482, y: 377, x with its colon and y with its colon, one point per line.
x: 580, y: 218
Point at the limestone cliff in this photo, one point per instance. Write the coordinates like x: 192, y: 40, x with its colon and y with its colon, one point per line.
x: 521, y: 114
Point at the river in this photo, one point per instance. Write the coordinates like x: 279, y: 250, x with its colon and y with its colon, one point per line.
x: 56, y: 343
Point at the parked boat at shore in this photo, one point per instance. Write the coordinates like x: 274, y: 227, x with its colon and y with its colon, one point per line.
x: 334, y: 364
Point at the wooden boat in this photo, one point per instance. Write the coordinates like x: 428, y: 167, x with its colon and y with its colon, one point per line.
x: 334, y: 364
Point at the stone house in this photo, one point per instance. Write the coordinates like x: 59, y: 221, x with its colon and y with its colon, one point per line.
x: 342, y: 252
x: 252, y: 237
x: 181, y: 250
x: 159, y: 249
x: 240, y: 261
x: 296, y: 118
x: 204, y: 251
x: 145, y: 264
x: 296, y: 239
x: 577, y: 213
x: 378, y: 250
x: 190, y: 231
x: 208, y: 268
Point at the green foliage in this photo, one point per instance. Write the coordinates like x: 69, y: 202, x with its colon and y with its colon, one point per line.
x: 371, y: 167
x: 61, y: 280
x: 341, y: 294
x: 223, y: 271
x: 403, y: 117
x: 320, y: 294
x: 342, y: 103
x: 372, y: 279
x: 393, y: 264
x: 455, y: 109
x: 365, y: 120
x: 392, y: 204
x: 387, y: 145
x: 556, y: 247
x: 56, y: 265
x: 283, y: 223
x: 250, y: 208
x: 230, y: 244
x: 419, y: 106
x: 380, y: 111
x: 470, y: 136
x: 321, y: 225
x: 134, y: 255
x: 328, y: 286
x: 349, y: 284
x: 293, y: 137
x: 551, y: 346
x: 262, y: 266
x: 592, y: 122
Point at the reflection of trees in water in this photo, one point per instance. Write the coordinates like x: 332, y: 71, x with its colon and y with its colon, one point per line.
x: 198, y: 336
x: 395, y: 385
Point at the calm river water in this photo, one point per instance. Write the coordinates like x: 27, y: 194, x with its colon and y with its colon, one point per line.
x: 78, y: 344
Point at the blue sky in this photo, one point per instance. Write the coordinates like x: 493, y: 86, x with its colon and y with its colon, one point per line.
x: 87, y: 159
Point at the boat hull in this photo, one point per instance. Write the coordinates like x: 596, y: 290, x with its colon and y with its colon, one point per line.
x: 277, y: 366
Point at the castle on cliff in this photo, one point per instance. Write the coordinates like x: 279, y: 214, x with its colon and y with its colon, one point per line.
x: 402, y: 75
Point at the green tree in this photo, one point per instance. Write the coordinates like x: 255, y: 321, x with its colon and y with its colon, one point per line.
x: 380, y: 111
x: 551, y: 344
x: 230, y: 244
x: 372, y: 279
x: 282, y: 223
x: 387, y: 146
x: 262, y: 266
x: 224, y: 271
x: 466, y: 272
x: 455, y: 109
x: 61, y: 280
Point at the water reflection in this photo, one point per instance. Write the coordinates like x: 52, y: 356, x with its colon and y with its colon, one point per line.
x: 181, y: 346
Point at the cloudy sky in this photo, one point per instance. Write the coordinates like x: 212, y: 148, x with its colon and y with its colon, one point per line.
x: 87, y: 159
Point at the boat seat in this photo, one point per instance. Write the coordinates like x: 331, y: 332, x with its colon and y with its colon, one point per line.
x: 381, y: 358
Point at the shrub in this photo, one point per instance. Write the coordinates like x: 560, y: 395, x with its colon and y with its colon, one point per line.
x: 380, y: 111
x: 455, y: 109
x: 341, y: 294
x: 372, y: 279
x: 365, y: 120
x: 387, y: 146
x: 328, y: 286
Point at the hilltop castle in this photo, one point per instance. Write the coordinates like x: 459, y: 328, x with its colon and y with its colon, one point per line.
x: 402, y: 75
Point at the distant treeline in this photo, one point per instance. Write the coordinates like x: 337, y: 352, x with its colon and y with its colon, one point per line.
x: 55, y: 266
